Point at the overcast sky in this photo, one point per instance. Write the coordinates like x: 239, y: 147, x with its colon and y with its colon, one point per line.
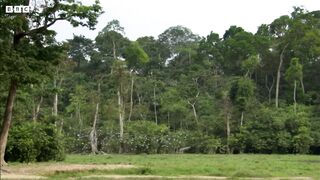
x: 151, y: 17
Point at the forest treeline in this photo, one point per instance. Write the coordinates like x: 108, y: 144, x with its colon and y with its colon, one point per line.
x: 178, y: 92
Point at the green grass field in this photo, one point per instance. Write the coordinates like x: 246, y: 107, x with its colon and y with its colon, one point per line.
x: 245, y: 165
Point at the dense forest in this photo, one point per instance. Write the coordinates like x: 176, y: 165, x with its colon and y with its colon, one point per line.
x: 175, y: 93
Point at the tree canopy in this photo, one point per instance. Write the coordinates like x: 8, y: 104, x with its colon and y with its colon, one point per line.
x: 240, y: 93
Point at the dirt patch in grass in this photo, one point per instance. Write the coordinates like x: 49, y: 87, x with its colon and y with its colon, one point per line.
x: 20, y: 176
x: 40, y: 171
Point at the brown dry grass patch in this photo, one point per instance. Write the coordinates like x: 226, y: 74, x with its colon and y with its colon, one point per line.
x: 39, y: 170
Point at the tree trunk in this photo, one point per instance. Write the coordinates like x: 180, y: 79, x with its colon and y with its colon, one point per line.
x: 302, y: 85
x: 241, y: 121
x: 279, y: 75
x: 55, y: 100
x: 114, y: 50
x: 79, y: 118
x: 139, y: 99
x: 131, y: 98
x: 194, y: 112
x: 227, y: 114
x: 294, y: 96
x: 7, y: 120
x: 228, y: 131
x: 155, y: 105
x: 61, y: 125
x: 139, y: 102
x: 55, y: 105
x: 121, y: 118
x: 37, y: 110
x: 269, y: 88
x: 93, y: 133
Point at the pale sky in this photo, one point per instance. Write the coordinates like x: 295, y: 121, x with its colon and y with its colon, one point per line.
x: 152, y: 17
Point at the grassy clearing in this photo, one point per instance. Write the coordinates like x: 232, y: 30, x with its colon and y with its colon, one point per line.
x: 208, y: 165
x: 232, y: 166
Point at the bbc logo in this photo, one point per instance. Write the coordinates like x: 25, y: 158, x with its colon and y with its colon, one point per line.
x: 18, y: 9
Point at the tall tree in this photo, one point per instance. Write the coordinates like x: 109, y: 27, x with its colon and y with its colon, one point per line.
x: 110, y: 41
x: 80, y: 49
x: 238, y: 45
x: 158, y: 54
x: 120, y: 75
x: 241, y: 93
x: 209, y: 52
x: 25, y: 66
x: 294, y: 74
x: 136, y: 58
x: 279, y: 28
x: 177, y: 37
x: 250, y: 65
x: 93, y: 133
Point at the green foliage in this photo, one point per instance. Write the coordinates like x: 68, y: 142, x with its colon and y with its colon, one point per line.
x: 111, y: 43
x: 29, y: 54
x: 25, y: 146
x: 173, y: 141
x: 211, y: 145
x: 250, y: 64
x: 196, y: 89
x: 147, y: 137
x: 77, y: 141
x: 177, y: 37
x: 294, y: 72
x: 135, y: 56
x: 238, y: 45
x: 21, y: 63
x: 209, y: 51
x: 276, y: 131
x: 302, y: 141
x: 113, y: 25
x: 33, y: 52
x: 80, y: 49
x: 77, y: 100
x: 242, y: 92
x: 280, y: 26
x: 157, y: 52
x: 144, y: 136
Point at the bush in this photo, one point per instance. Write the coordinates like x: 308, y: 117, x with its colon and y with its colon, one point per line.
x: 173, y: 141
x: 302, y: 141
x: 78, y: 141
x: 276, y: 130
x: 211, y: 145
x: 31, y: 142
x: 144, y: 136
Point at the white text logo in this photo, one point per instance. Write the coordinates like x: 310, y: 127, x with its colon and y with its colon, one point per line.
x: 18, y: 9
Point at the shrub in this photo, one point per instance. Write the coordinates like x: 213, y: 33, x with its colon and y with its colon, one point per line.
x: 30, y: 142
x: 77, y: 141
x: 144, y: 136
x: 302, y: 141
x: 173, y: 141
x: 211, y: 145
x: 276, y: 130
